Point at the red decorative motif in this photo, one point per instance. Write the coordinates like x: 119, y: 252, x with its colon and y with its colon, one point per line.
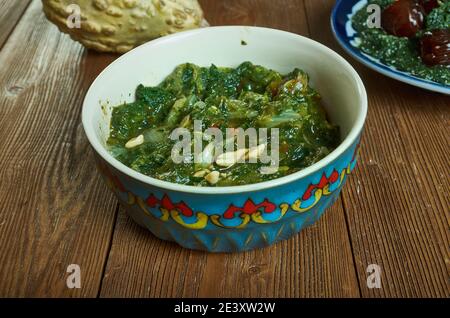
x: 167, y: 204
x: 249, y: 208
x: 324, y: 180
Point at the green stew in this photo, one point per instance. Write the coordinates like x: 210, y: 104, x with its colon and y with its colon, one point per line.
x: 249, y: 96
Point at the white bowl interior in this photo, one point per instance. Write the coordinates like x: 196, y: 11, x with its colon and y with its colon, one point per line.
x: 339, y: 85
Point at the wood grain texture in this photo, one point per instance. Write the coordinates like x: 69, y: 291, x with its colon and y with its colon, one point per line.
x: 288, y: 15
x: 399, y: 216
x: 53, y: 210
x: 10, y: 14
x: 315, y: 263
x: 140, y: 265
x: 308, y: 265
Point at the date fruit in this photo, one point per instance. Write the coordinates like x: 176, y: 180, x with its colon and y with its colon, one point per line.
x: 435, y: 47
x: 429, y: 5
x: 403, y: 18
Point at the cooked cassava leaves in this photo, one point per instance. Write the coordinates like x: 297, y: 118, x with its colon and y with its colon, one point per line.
x: 249, y: 96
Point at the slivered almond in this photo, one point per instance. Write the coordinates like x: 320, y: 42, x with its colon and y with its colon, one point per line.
x: 134, y: 142
x: 255, y: 152
x: 213, y: 177
x: 200, y: 174
x: 228, y: 159
x: 268, y: 170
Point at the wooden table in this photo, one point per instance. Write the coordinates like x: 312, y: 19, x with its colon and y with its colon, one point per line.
x: 56, y: 211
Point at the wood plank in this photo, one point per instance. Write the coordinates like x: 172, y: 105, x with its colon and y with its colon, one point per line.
x: 284, y: 14
x: 308, y: 265
x: 53, y: 210
x: 316, y: 263
x: 10, y: 14
x: 140, y: 265
x: 399, y: 215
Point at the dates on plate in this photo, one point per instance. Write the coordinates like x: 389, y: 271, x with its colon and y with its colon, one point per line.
x: 403, y: 18
x: 435, y: 47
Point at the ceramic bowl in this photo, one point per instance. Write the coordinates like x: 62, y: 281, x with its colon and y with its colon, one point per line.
x: 229, y: 219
